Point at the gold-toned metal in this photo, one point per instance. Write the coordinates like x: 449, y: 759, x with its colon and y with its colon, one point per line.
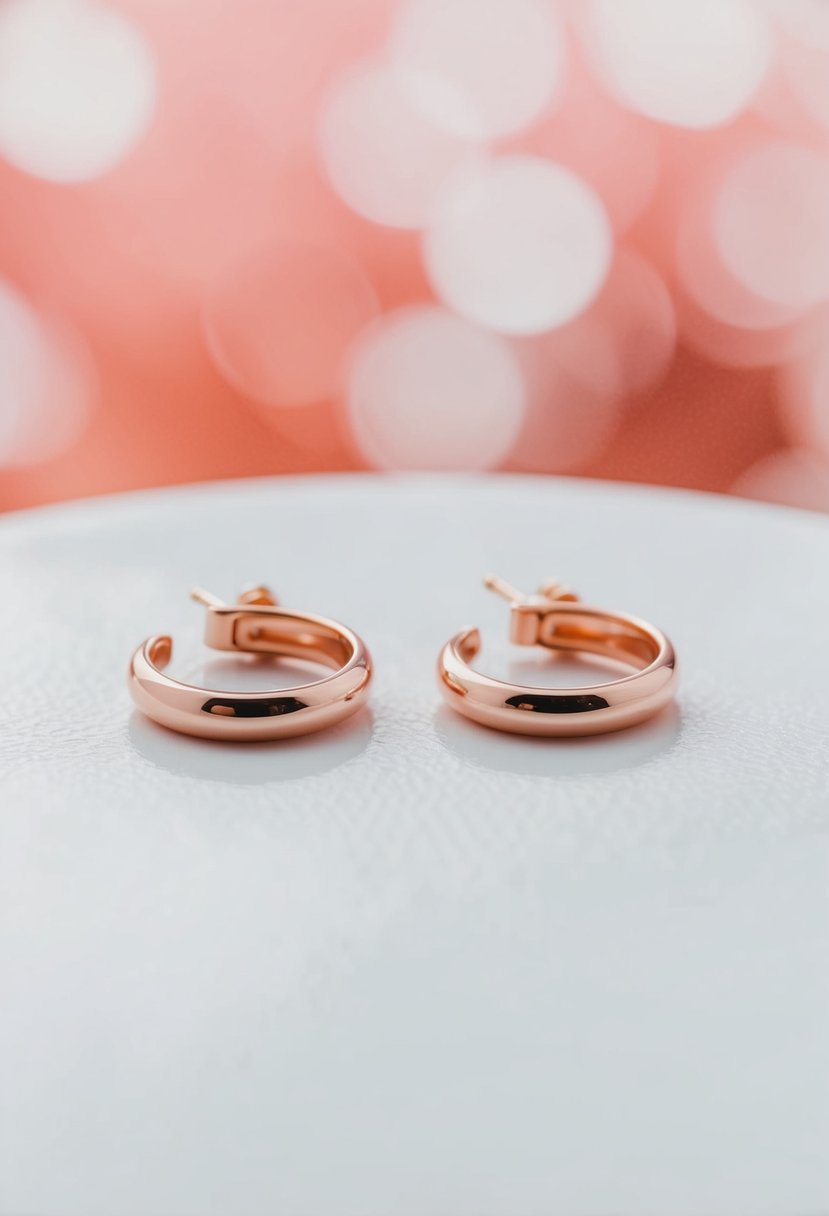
x: 255, y: 624
x: 206, y: 598
x: 556, y: 619
x: 493, y: 582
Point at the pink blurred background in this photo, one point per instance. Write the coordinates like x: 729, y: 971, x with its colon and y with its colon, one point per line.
x: 302, y: 235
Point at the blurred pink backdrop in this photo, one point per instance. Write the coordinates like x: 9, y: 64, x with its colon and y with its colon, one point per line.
x: 302, y: 235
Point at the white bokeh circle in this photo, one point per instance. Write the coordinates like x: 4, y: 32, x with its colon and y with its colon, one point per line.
x: 793, y: 477
x: 806, y: 71
x: 46, y: 384
x: 638, y: 308
x: 77, y: 87
x: 732, y: 346
x: 518, y: 244
x: 690, y: 65
x: 427, y: 389
x: 603, y: 143
x: 478, y: 68
x: 803, y: 392
x: 806, y: 21
x: 703, y: 274
x: 279, y: 320
x: 574, y: 377
x: 770, y: 224
x: 382, y: 157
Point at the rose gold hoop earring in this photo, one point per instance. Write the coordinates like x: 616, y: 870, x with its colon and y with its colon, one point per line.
x: 257, y: 625
x: 556, y: 619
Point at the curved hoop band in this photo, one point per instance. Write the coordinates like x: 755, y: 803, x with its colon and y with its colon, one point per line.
x: 556, y: 620
x: 258, y: 626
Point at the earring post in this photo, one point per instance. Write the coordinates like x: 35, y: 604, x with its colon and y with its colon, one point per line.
x: 206, y: 598
x: 506, y: 591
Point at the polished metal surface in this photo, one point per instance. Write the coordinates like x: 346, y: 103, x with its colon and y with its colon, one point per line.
x: 255, y: 625
x: 555, y: 619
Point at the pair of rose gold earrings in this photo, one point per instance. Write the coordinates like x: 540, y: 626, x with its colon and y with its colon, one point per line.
x: 554, y: 618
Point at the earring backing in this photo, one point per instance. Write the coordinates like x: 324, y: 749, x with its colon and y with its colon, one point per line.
x: 556, y: 619
x: 257, y: 625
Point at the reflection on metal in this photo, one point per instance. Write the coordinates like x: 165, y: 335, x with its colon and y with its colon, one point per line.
x: 255, y: 624
x: 555, y: 619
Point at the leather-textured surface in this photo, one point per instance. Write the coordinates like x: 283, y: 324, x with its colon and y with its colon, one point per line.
x: 413, y: 966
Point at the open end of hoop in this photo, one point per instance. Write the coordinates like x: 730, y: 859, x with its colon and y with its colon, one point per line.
x: 160, y: 650
x: 468, y: 644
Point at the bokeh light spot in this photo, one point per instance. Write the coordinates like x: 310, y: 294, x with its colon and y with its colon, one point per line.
x: 612, y: 149
x: 77, y: 87
x: 733, y: 346
x: 638, y: 309
x: 804, y: 392
x: 574, y: 378
x: 690, y: 65
x: 807, y: 75
x: 46, y: 384
x: 518, y: 244
x: 478, y: 68
x: 807, y: 21
x: 429, y: 390
x: 770, y: 224
x: 794, y: 477
x: 706, y: 279
x: 278, y: 322
x: 384, y: 158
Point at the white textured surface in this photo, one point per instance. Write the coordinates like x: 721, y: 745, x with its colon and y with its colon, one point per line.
x: 415, y: 968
